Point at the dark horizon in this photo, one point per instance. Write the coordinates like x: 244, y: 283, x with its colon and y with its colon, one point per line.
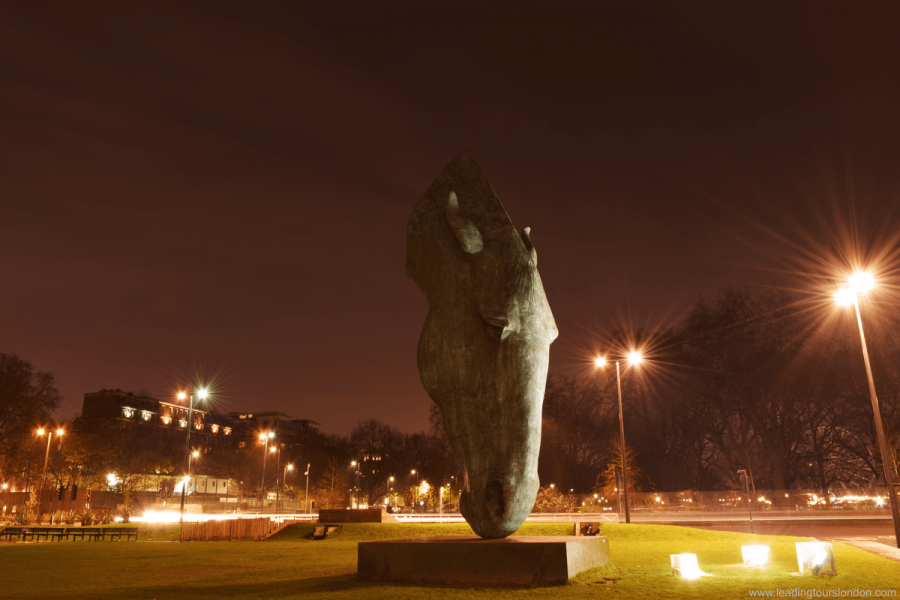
x: 221, y: 192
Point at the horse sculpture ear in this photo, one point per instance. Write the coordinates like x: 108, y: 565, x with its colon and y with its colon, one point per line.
x: 526, y: 239
x: 468, y: 235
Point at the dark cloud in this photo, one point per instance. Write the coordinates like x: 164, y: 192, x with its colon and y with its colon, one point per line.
x: 551, y: 49
x: 222, y: 188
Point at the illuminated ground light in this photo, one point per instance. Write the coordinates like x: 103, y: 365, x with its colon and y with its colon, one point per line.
x: 816, y: 558
x: 755, y: 556
x: 686, y: 566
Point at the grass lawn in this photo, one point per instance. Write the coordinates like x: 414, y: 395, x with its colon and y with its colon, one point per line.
x: 291, y: 565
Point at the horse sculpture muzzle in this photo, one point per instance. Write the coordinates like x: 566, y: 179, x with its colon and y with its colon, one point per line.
x: 485, y: 346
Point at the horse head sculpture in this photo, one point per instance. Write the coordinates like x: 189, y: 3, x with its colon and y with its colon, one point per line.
x: 485, y: 346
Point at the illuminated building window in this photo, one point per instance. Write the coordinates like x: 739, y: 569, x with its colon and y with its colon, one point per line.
x: 226, y: 430
x: 215, y: 428
x: 198, y: 426
x: 128, y: 412
x: 146, y: 414
x: 182, y: 423
x: 167, y: 420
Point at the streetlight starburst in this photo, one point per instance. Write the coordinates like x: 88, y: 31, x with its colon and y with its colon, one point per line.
x: 845, y: 297
x: 861, y: 282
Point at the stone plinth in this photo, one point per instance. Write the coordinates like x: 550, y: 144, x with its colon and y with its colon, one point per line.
x: 470, y: 560
x: 362, y: 515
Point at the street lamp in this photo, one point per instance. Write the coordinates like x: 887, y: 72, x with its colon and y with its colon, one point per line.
x: 59, y: 434
x: 388, y: 487
x: 634, y: 358
x: 306, y: 495
x: 416, y: 504
x: 28, y: 478
x: 201, y: 394
x: 860, y: 283
x: 265, y: 437
x: 277, y: 468
x: 356, y: 465
x: 287, y: 468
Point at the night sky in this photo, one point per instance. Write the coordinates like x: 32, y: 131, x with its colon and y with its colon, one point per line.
x: 220, y: 190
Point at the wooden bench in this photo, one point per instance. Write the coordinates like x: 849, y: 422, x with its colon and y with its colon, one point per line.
x: 49, y: 532
x: 95, y: 533
x: 19, y: 532
x: 118, y: 532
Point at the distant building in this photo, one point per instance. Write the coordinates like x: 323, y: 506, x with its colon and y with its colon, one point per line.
x: 122, y: 406
x: 242, y: 427
x: 286, y: 428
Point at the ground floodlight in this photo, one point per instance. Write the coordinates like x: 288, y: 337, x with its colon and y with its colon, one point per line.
x: 686, y: 566
x: 755, y: 556
x: 816, y: 558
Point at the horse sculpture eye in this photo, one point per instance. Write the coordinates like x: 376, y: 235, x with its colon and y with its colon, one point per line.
x: 494, y: 332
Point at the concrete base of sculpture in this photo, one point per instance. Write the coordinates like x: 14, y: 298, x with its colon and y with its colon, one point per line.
x: 361, y: 515
x: 470, y: 560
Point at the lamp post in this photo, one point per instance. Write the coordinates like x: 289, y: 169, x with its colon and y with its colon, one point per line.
x: 277, y: 468
x: 28, y: 477
x: 265, y: 437
x: 389, y: 488
x: 59, y: 434
x: 634, y: 358
x: 416, y: 502
x: 194, y: 454
x: 287, y: 468
x: 860, y: 283
x: 201, y: 394
x: 306, y: 494
x: 356, y: 465
x: 44, y: 475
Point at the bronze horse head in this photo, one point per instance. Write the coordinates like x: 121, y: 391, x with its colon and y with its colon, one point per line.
x: 485, y: 346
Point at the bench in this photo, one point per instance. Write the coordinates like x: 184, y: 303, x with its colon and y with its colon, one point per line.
x: 587, y: 528
x: 49, y: 532
x: 82, y: 532
x: 118, y: 532
x: 18, y: 532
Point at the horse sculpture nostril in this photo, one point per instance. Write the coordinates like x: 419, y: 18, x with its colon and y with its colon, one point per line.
x: 495, y: 498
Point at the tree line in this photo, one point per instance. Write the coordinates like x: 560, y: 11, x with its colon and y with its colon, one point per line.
x: 749, y: 380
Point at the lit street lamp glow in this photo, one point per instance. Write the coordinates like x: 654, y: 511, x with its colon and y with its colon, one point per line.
x: 861, y: 282
x: 634, y: 358
x: 845, y: 297
x: 188, y: 425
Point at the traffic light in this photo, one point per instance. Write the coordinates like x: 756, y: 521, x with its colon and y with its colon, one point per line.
x: 74, y: 492
x: 62, y: 491
x: 87, y: 496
